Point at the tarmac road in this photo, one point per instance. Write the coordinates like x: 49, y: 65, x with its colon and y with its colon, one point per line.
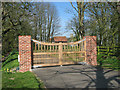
x: 78, y: 76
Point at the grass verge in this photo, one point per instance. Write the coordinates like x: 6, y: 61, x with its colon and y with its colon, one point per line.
x: 15, y: 79
x: 20, y: 80
x: 108, y: 61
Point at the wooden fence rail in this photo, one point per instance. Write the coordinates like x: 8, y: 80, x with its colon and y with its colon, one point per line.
x: 109, y: 51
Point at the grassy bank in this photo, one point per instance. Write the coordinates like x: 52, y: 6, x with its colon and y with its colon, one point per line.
x: 11, y: 61
x: 16, y: 79
x: 20, y: 80
x: 111, y: 62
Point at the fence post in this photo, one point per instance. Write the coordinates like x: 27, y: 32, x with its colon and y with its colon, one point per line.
x: 85, y: 49
x: 108, y: 50
x: 98, y: 50
x: 60, y: 53
x: 91, y: 50
x: 25, y: 53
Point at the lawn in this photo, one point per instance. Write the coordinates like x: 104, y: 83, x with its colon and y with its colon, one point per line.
x: 17, y: 79
x: 20, y: 80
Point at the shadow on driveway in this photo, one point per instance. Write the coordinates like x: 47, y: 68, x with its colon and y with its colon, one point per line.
x: 78, y: 76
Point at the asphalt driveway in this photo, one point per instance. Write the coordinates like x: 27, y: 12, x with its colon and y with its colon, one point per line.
x: 78, y: 76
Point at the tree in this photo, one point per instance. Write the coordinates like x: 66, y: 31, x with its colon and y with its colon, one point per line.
x: 74, y: 26
x: 80, y: 9
x: 15, y: 22
x: 47, y: 21
x: 115, y: 24
x: 101, y: 23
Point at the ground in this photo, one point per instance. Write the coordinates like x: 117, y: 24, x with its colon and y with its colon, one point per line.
x: 13, y: 79
x: 78, y: 76
x: 24, y: 80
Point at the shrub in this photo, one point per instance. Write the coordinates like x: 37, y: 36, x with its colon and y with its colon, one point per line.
x: 108, y: 61
x: 11, y: 61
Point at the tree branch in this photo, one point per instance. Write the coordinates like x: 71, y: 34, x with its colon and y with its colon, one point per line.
x: 73, y: 6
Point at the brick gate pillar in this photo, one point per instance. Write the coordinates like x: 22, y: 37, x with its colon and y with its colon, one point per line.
x: 91, y: 50
x: 24, y: 53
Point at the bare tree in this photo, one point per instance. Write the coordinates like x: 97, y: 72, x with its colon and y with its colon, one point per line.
x: 47, y: 21
x: 80, y: 9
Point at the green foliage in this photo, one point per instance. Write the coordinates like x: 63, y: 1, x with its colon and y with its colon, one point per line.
x: 108, y: 57
x: 20, y: 80
x: 16, y: 79
x: 108, y: 61
x: 15, y: 22
x: 103, y: 22
x: 39, y: 20
x: 11, y: 61
x: 109, y: 51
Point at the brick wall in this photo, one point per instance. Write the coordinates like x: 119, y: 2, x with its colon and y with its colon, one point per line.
x: 25, y: 53
x: 91, y: 50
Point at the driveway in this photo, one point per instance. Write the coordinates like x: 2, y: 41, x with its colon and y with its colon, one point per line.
x: 78, y: 76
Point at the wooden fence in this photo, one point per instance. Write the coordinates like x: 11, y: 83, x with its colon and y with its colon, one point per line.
x: 109, y: 51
